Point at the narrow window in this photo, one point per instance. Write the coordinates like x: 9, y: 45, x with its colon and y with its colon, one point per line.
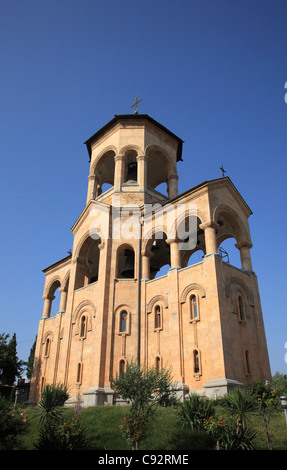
x: 42, y: 384
x: 123, y: 322
x: 247, y: 362
x: 193, y: 308
x: 122, y: 366
x: 79, y: 373
x: 157, y: 364
x: 241, y: 309
x: 47, y: 347
x: 195, y: 362
x: 157, y: 317
x: 83, y: 327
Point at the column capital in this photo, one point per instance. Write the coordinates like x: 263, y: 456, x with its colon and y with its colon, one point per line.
x: 173, y: 177
x: 48, y: 297
x: 244, y: 244
x: 170, y: 241
x: 141, y: 157
x: 209, y: 224
x: 119, y: 158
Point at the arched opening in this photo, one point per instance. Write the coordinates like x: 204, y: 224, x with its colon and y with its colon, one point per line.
x: 160, y: 255
x: 55, y: 308
x: 131, y: 167
x: 159, y: 168
x: 88, y: 263
x: 104, y: 173
x: 192, y: 247
x: 126, y: 263
x: 230, y: 233
x: 229, y: 253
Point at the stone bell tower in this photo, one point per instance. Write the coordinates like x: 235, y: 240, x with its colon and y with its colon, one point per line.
x: 202, y: 319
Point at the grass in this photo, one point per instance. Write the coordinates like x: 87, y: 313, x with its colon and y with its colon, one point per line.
x: 103, y: 423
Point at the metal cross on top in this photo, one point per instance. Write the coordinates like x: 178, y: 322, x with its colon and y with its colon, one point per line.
x: 223, y: 171
x: 135, y: 105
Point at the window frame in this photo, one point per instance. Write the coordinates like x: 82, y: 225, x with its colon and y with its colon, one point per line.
x: 192, y: 317
x: 158, y: 325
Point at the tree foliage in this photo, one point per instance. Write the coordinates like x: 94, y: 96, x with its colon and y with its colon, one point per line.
x: 10, y: 366
x: 144, y: 388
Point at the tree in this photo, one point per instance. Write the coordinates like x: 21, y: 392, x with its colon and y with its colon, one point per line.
x: 30, y: 362
x: 10, y: 366
x: 143, y: 387
x: 265, y: 395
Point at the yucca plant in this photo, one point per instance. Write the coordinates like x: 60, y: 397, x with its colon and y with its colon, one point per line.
x: 52, y: 398
x: 240, y: 406
x: 195, y: 410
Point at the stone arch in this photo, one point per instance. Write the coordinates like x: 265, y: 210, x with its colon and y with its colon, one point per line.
x: 156, y: 299
x: 190, y: 288
x: 157, y: 149
x: 131, y: 147
x: 87, y: 257
x: 52, y: 286
x: 234, y: 283
x: 85, y: 307
x: 236, y: 228
x: 94, y: 234
x: 48, y: 334
x: 150, y: 235
x: 103, y: 153
x: 65, y: 282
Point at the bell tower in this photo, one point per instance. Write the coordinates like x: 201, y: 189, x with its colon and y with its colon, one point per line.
x: 137, y: 295
x: 133, y: 155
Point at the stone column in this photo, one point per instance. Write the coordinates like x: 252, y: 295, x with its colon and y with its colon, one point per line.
x: 210, y: 236
x: 63, y: 301
x: 91, y: 187
x: 47, y: 306
x: 118, y: 178
x: 142, y: 171
x: 145, y: 267
x: 175, y: 258
x: 172, y: 186
x: 244, y: 248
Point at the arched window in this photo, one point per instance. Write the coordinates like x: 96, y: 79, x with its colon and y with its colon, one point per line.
x: 193, y: 307
x: 83, y: 324
x: 47, y: 347
x: 123, y: 321
x: 157, y: 364
x: 126, y: 264
x: 196, y: 361
x: 241, y: 308
x: 157, y: 317
x: 122, y: 366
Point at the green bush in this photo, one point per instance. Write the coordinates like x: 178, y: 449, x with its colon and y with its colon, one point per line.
x: 13, y: 424
x: 194, y: 411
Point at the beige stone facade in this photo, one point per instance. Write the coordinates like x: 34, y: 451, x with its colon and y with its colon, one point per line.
x: 202, y: 320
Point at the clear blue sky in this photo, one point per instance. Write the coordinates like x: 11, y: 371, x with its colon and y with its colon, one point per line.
x: 211, y: 71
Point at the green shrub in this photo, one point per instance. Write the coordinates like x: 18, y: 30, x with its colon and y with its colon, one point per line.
x: 13, y: 424
x: 194, y: 411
